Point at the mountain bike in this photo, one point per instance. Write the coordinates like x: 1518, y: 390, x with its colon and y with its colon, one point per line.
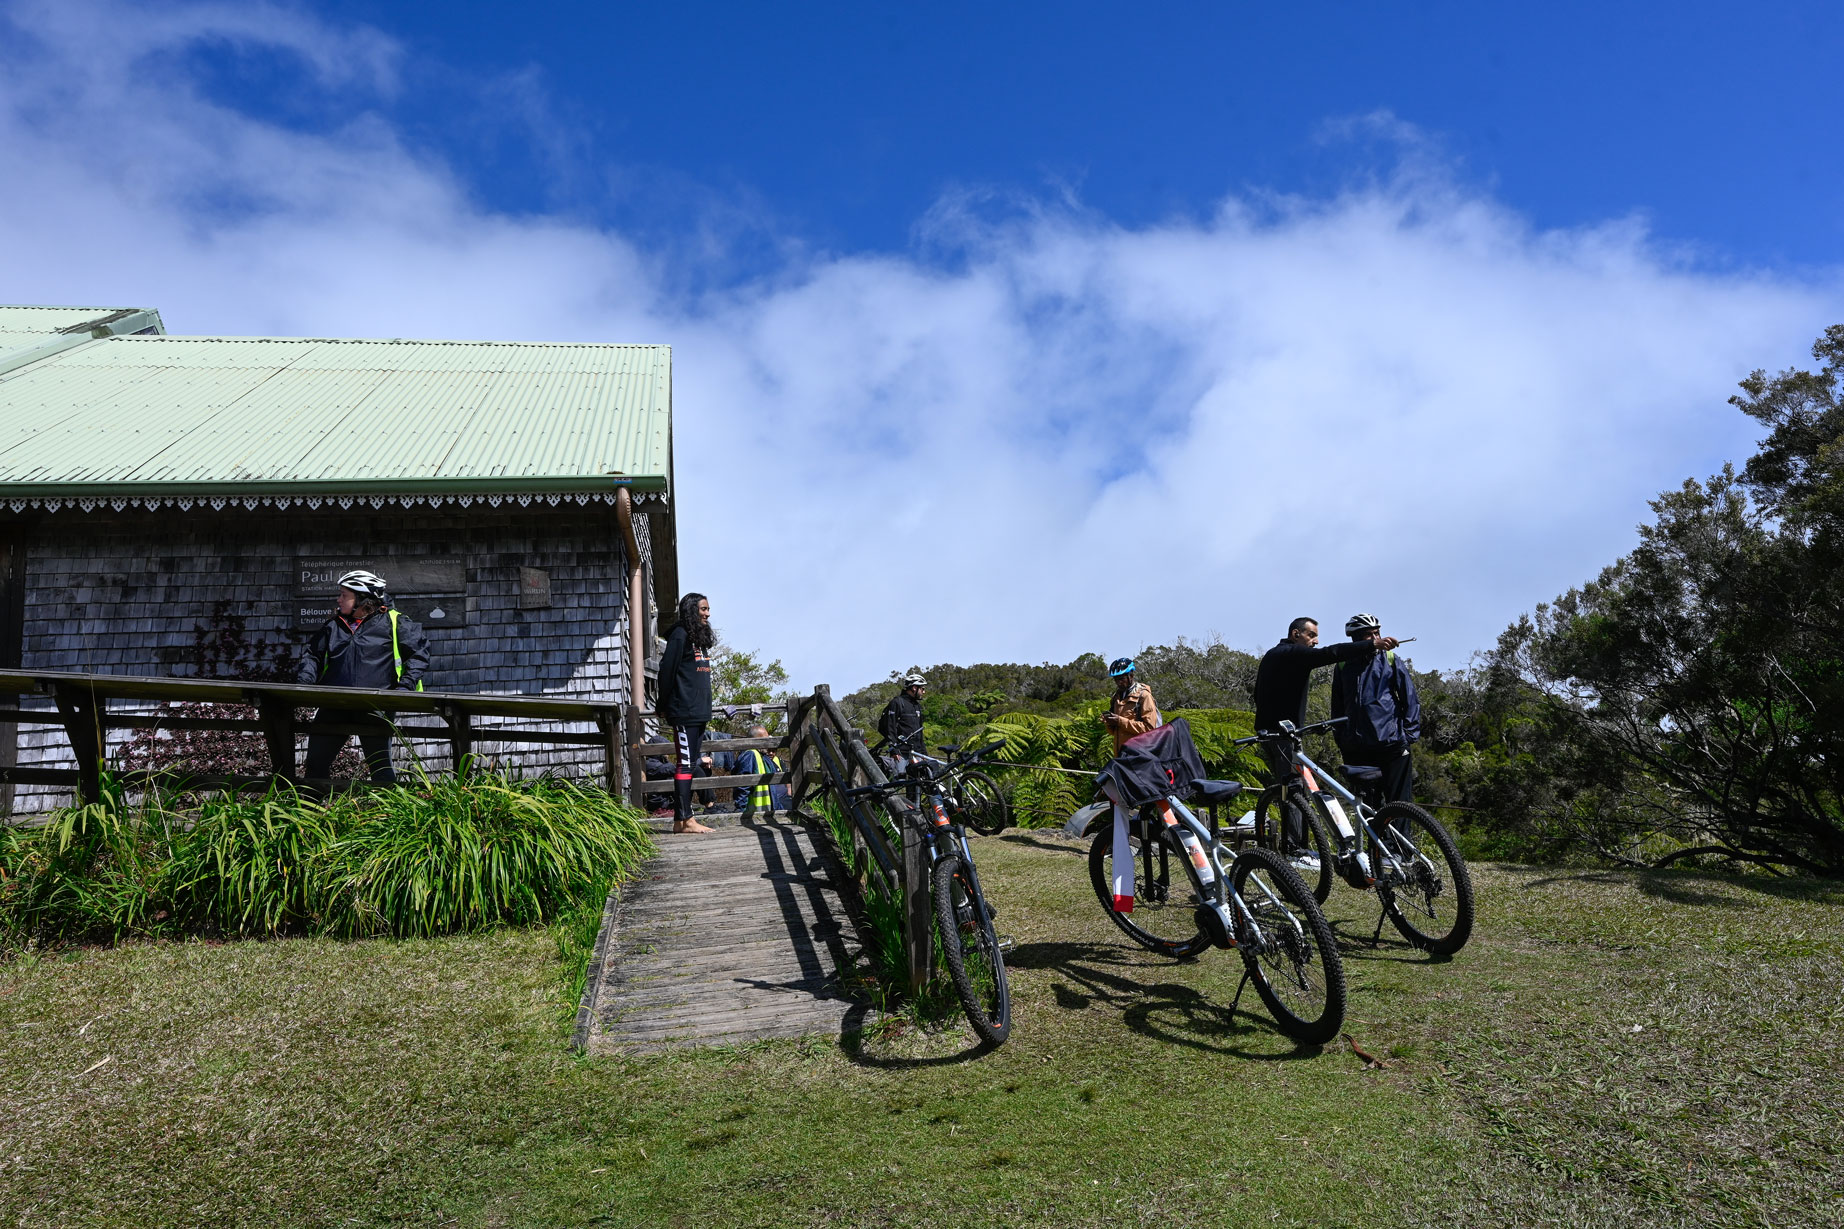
x: 970, y: 946
x: 1396, y: 849
x: 1250, y: 901
x: 973, y: 797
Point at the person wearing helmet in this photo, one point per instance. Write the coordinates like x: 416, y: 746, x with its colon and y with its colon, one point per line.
x: 900, y: 724
x: 366, y: 643
x: 1383, y: 714
x: 685, y: 699
x: 1132, y: 710
x: 1281, y: 683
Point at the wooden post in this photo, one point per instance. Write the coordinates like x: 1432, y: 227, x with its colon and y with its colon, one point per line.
x: 278, y: 722
x: 637, y: 760
x: 608, y: 721
x: 460, y: 736
x: 82, y: 716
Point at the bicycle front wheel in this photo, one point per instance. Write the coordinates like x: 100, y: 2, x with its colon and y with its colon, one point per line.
x: 970, y: 948
x: 1278, y: 813
x: 982, y: 803
x: 1428, y: 894
x: 1289, y: 952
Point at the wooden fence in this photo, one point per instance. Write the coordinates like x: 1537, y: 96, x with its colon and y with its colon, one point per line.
x: 84, y: 714
x: 825, y: 752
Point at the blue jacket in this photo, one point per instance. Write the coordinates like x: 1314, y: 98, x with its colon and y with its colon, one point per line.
x: 1379, y: 698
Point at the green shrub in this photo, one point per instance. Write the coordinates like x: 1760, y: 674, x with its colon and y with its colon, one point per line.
x: 440, y: 856
x: 463, y: 854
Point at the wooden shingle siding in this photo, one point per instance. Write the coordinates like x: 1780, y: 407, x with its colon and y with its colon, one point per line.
x: 139, y: 592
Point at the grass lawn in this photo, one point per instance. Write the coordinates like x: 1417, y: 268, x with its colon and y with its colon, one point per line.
x: 1611, y: 1049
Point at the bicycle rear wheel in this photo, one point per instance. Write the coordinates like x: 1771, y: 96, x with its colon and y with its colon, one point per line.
x: 982, y: 803
x: 1431, y: 900
x: 1294, y: 963
x: 970, y: 948
x: 1277, y: 813
x: 1164, y: 918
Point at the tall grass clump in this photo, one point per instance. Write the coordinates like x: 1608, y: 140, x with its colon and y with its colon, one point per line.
x: 412, y: 860
x: 465, y: 853
x: 883, y: 906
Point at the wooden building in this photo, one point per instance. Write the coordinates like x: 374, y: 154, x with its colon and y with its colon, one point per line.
x: 181, y: 506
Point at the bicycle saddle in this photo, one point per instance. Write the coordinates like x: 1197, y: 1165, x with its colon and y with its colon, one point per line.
x: 1215, y: 791
x: 1363, y: 774
x: 949, y: 748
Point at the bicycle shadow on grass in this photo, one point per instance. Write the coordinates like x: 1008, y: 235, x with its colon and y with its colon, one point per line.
x: 1361, y: 941
x: 1159, y: 1011
x: 856, y: 1038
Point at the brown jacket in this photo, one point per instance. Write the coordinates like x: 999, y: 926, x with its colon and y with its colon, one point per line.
x: 1136, y: 711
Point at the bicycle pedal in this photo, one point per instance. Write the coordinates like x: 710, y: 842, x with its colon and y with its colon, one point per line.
x: 1007, y: 943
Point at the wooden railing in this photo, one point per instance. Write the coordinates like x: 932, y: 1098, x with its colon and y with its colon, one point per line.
x: 826, y: 753
x: 84, y: 714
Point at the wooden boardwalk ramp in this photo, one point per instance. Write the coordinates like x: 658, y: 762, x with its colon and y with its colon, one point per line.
x: 727, y: 937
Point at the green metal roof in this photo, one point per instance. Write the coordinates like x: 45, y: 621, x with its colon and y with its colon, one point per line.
x: 28, y: 334
x: 230, y: 417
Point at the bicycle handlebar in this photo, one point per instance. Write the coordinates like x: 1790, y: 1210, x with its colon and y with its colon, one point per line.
x: 1287, y: 730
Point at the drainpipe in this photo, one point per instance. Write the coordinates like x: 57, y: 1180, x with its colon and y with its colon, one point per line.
x: 636, y: 604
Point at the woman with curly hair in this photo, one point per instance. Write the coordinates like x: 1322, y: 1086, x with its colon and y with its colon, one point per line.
x: 685, y: 699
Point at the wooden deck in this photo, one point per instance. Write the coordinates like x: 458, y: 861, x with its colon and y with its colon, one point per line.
x: 727, y: 937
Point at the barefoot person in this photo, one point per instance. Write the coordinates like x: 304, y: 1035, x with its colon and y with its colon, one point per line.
x: 685, y: 699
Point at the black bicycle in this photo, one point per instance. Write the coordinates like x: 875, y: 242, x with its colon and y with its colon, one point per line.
x: 970, y: 946
x: 1396, y: 849
x: 974, y: 798
x: 1252, y: 902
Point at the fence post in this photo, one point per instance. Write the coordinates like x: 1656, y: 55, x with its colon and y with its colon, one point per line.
x: 278, y: 722
x: 83, y: 726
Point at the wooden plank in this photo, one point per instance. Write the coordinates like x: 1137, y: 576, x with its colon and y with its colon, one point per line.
x: 231, y: 691
x: 748, y: 781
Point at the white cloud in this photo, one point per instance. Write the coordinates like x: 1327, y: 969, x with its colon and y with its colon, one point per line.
x: 1049, y: 436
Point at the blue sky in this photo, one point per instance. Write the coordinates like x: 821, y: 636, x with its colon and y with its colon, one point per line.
x: 1399, y: 308
x: 844, y: 123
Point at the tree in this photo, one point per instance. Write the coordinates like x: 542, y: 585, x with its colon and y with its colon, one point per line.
x: 739, y: 677
x: 1690, y: 701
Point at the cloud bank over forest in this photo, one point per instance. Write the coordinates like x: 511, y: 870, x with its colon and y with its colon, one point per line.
x: 1021, y: 440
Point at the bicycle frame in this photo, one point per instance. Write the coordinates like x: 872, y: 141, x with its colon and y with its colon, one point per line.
x: 1175, y: 814
x: 1317, y: 781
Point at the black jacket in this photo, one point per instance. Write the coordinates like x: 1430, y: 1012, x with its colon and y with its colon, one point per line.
x: 902, y: 721
x: 1151, y: 765
x: 684, y: 680
x: 1380, y: 701
x: 344, y: 655
x: 1285, y: 672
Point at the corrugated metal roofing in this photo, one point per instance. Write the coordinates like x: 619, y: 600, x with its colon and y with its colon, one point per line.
x: 160, y: 415
x: 25, y: 326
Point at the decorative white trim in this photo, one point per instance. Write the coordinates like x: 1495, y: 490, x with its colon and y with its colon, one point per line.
x: 185, y: 503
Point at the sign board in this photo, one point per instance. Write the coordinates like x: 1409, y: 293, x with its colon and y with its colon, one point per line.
x: 431, y: 591
x: 319, y: 577
x: 534, y: 589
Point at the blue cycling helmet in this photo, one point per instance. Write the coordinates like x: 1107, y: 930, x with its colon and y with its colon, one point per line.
x: 1120, y: 666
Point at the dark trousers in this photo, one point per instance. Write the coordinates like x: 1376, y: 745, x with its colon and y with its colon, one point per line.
x: 323, y: 748
x: 1293, y: 797
x: 687, y: 744
x: 1398, y: 770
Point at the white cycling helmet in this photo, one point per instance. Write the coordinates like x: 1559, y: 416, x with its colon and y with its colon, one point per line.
x: 1362, y: 623
x: 363, y: 583
x: 914, y: 679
